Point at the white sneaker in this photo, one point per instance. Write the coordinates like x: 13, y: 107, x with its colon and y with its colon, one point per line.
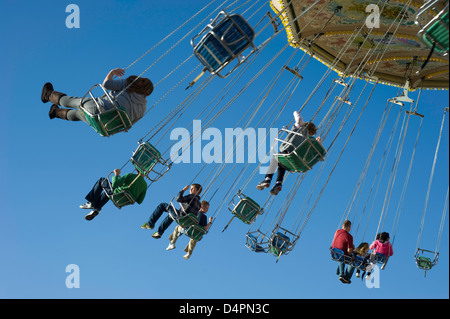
x: 186, y: 256
x: 170, y: 247
x: 358, y: 275
x: 88, y: 205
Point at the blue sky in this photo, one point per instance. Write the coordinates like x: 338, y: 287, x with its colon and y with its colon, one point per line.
x: 49, y: 166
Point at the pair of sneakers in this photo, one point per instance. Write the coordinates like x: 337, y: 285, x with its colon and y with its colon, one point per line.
x: 266, y: 183
x: 172, y: 246
x: 94, y: 212
x: 155, y: 235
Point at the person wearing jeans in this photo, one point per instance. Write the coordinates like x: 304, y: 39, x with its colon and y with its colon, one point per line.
x: 189, y: 203
x: 98, y: 195
x: 344, y: 241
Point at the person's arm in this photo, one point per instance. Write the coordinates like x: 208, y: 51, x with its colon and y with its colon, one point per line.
x: 115, y: 72
x: 209, y: 224
x: 298, y: 120
x: 182, y: 199
x: 350, y: 245
x: 116, y: 180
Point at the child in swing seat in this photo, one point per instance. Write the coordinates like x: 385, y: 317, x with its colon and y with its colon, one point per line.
x: 382, y: 246
x: 363, y: 252
x: 300, y: 131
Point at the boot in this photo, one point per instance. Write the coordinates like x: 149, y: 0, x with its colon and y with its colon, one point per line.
x: 48, y: 94
x: 57, y: 112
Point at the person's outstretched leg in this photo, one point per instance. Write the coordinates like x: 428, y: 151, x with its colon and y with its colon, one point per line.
x: 161, y: 208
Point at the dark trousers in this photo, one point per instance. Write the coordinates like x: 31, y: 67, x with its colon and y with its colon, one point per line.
x: 167, y: 221
x: 97, y: 196
x: 281, y: 171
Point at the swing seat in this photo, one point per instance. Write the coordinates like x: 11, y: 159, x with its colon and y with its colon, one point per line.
x: 252, y: 244
x: 279, y: 244
x: 184, y: 220
x: 225, y: 39
x: 187, y: 220
x: 109, y: 122
x: 247, y: 210
x: 304, y: 157
x: 337, y: 254
x: 359, y: 262
x: 379, y: 258
x: 145, y: 158
x: 122, y: 197
x: 195, y: 232
x: 424, y: 263
x: 437, y: 31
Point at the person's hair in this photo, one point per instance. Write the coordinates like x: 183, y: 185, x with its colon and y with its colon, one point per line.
x: 362, y: 248
x: 140, y: 85
x: 311, y: 127
x: 384, y: 236
x: 204, y: 203
x: 347, y: 223
x: 198, y: 187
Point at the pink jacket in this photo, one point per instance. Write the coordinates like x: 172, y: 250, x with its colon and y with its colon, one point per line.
x: 382, y: 248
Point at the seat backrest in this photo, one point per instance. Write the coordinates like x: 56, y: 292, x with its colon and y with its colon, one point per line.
x: 224, y: 42
x: 279, y: 244
x: 109, y: 122
x: 187, y: 220
x: 252, y: 243
x: 379, y: 258
x: 424, y: 263
x: 195, y: 232
x: 246, y: 210
x: 303, y: 158
x: 145, y: 158
x: 337, y: 254
x: 235, y: 32
x: 122, y: 197
x: 359, y: 262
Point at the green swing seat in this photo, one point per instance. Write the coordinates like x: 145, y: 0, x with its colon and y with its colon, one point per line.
x: 195, y: 232
x: 109, y: 122
x: 436, y: 31
x: 145, y: 158
x: 187, y: 220
x: 122, y: 197
x: 424, y: 263
x: 304, y: 157
x: 246, y: 210
x: 180, y: 216
x: 279, y: 244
